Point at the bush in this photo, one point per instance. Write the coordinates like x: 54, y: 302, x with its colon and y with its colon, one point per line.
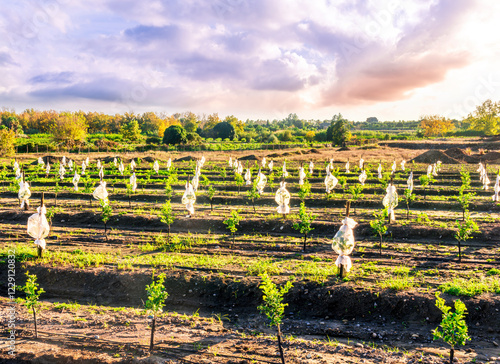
x: 153, y: 140
x: 7, y: 140
x: 174, y: 134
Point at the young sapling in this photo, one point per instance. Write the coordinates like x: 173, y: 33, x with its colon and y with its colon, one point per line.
x: 157, y: 296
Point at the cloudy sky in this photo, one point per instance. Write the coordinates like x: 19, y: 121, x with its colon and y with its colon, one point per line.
x: 251, y: 58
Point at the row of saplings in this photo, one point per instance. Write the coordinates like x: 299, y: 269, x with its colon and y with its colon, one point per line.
x: 452, y: 330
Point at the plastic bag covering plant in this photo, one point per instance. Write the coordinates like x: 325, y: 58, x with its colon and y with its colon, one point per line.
x: 100, y: 193
x: 169, y: 164
x: 157, y: 295
x: 282, y: 198
x: 98, y: 164
x: 343, y: 243
x: 133, y: 182
x: 40, y: 161
x: 248, y: 177
x: 230, y: 162
x: 62, y: 171
x: 47, y: 168
x: 390, y: 201
x: 15, y: 165
x: 24, y: 194
x: 156, y: 167
x: 453, y: 329
x: 481, y: 171
x: 270, y: 166
x: 311, y: 168
x: 121, y: 168
x: 284, y: 172
x: 403, y: 162
x: 409, y: 182
x: 330, y: 181
x: 434, y: 170
x: 101, y: 172
x: 63, y: 160
x: 361, y: 163
x: 84, y: 166
x: 115, y: 162
x: 32, y: 295
x: 379, y: 170
x: 394, y: 167
x: 362, y: 177
x: 304, y: 225
x: 132, y: 165
x: 87, y: 161
x: 302, y: 175
x: 429, y: 170
x: 240, y: 168
x: 273, y: 306
x: 70, y: 164
x: 261, y: 181
x: 18, y: 173
x: 486, y: 181
x: 232, y: 223
x: 496, y: 189
x: 263, y: 163
x: 189, y: 198
x: 195, y: 181
x: 76, y: 179
x: 38, y: 227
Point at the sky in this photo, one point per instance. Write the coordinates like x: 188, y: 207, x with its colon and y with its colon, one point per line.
x: 254, y: 59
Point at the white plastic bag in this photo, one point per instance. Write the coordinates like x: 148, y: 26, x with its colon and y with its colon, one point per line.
x: 156, y: 167
x: 263, y: 163
x: 121, y: 168
x: 38, y: 226
x: 40, y: 161
x: 410, y: 182
x: 62, y: 171
x: 361, y: 163
x: 70, y: 164
x: 169, y: 163
x: 311, y: 168
x: 429, y: 170
x: 403, y: 162
x: 390, y: 200
x: 47, y: 168
x: 24, y: 193
x: 230, y: 162
x: 285, y: 173
x: 496, y: 189
x: 248, y: 177
x: 302, y: 175
x: 133, y: 182
x: 394, y: 167
x: 101, y: 173
x: 330, y: 182
x: 76, y: 178
x: 83, y: 167
x: 270, y: 165
x: 261, y: 182
x: 282, y: 198
x: 101, y: 193
x: 347, y: 167
x: 189, y: 198
x: 132, y: 165
x: 343, y: 243
x: 379, y: 170
x: 362, y: 177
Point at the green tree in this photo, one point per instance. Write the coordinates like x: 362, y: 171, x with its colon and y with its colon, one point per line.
x: 223, y: 130
x: 32, y: 295
x: 304, y: 225
x: 232, y: 223
x: 211, y: 193
x: 131, y: 131
x: 175, y: 134
x: 106, y: 212
x: 167, y: 216
x: 486, y: 118
x: 464, y: 232
x: 253, y: 194
x: 339, y: 131
x: 379, y: 227
x: 464, y: 197
x: 189, y: 122
x: 157, y: 296
x: 453, y: 326
x: 273, y: 306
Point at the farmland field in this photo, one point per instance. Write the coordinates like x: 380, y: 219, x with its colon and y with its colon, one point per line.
x: 383, y: 310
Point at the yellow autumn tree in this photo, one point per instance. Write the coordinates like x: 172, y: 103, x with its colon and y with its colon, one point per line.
x: 69, y: 128
x: 486, y: 118
x: 435, y: 125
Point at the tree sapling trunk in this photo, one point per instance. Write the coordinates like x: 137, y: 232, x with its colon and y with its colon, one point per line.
x: 280, y: 345
x: 152, y: 339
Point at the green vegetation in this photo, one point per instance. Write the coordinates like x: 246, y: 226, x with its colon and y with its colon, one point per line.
x: 157, y: 296
x: 32, y: 295
x: 453, y: 326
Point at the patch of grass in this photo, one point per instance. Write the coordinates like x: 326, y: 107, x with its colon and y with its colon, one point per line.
x: 399, y: 283
x: 70, y: 306
x: 493, y: 272
x: 471, y: 287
